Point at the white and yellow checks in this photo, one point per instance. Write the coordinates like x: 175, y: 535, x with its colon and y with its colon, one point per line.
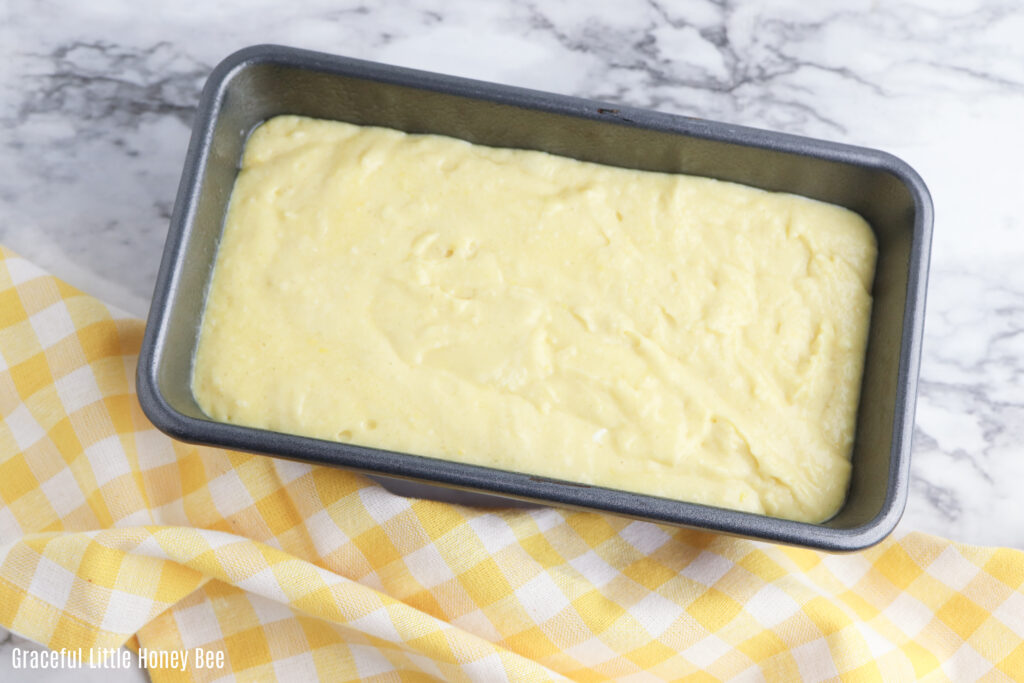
x: 111, y: 533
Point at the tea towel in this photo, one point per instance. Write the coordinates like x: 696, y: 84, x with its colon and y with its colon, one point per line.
x: 215, y: 565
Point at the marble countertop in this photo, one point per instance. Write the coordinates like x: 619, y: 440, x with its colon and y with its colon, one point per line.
x: 96, y: 100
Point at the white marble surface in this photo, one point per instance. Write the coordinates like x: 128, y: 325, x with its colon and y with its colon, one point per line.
x: 96, y: 99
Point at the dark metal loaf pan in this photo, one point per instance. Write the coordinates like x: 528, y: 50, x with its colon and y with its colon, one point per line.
x: 260, y: 82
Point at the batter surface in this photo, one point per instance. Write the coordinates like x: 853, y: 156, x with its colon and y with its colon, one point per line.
x: 664, y: 334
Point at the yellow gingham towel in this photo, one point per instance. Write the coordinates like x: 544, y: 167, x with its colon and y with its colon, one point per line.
x: 112, y: 533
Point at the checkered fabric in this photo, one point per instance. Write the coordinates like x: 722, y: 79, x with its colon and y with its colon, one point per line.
x: 112, y: 533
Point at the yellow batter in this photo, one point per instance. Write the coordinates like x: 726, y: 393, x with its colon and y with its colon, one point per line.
x: 665, y: 334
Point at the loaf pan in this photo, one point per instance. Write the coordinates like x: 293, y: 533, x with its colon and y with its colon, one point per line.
x: 260, y: 82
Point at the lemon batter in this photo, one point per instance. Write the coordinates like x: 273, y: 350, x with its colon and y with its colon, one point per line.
x: 664, y: 334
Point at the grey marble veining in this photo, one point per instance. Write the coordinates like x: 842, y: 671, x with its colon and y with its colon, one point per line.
x: 96, y: 99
